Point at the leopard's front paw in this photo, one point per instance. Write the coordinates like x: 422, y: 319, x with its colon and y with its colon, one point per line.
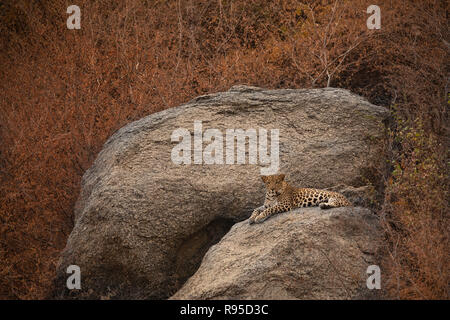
x: 259, y: 219
x: 255, y: 213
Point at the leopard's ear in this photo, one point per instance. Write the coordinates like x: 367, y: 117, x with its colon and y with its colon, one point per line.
x: 264, y: 179
x: 281, y: 176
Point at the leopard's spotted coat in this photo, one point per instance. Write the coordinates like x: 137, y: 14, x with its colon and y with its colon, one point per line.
x: 281, y: 197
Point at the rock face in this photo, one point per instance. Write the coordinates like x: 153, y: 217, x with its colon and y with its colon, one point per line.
x: 303, y: 254
x: 143, y: 222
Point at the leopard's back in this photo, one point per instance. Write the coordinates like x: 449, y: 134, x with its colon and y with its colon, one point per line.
x: 310, y: 197
x: 282, y: 197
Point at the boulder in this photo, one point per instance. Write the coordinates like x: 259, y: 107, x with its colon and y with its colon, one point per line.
x: 144, y: 220
x: 302, y: 254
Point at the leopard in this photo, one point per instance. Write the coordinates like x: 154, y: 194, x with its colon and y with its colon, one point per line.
x: 283, y: 197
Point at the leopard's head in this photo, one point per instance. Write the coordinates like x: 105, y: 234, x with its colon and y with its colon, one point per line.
x: 274, y: 184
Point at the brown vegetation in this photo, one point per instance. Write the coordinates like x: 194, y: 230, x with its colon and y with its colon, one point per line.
x: 65, y: 91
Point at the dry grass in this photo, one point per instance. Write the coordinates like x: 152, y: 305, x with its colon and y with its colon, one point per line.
x: 65, y: 91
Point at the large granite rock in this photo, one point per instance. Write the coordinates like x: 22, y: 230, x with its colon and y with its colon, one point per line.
x: 303, y: 254
x: 143, y: 222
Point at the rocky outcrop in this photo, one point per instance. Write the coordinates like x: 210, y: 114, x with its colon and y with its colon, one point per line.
x: 303, y: 254
x: 143, y: 221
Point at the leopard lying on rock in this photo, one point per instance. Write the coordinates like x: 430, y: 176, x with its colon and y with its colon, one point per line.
x: 282, y: 197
